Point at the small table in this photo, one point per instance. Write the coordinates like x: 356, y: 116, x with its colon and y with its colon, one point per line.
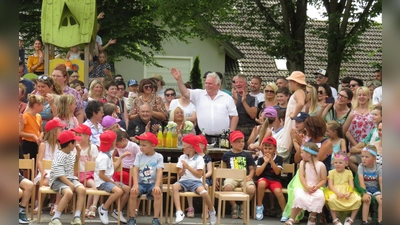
x: 174, y: 153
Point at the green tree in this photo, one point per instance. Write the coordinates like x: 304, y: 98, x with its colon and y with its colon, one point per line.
x: 195, y: 74
x: 347, y: 20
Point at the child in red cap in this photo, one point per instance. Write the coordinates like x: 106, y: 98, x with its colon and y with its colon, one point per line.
x: 268, y: 174
x: 191, y: 169
x: 236, y: 158
x: 62, y: 179
x: 147, y: 176
x: 208, y: 173
x: 103, y: 177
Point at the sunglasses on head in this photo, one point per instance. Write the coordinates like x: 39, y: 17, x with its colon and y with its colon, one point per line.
x: 43, y: 77
x: 269, y: 91
x: 169, y: 95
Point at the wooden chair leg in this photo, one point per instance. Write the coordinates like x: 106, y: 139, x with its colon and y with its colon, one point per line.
x: 219, y: 211
x: 32, y: 201
x: 39, y: 206
x: 171, y: 209
x: 119, y: 210
x: 223, y: 208
x: 166, y: 208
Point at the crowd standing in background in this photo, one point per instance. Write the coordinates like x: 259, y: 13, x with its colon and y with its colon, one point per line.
x: 334, y: 135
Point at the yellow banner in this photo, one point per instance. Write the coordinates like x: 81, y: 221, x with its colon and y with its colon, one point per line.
x: 76, y: 65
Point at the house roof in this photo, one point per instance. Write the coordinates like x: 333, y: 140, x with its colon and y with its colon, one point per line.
x: 257, y: 63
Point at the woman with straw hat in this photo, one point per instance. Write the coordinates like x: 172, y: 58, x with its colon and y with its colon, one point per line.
x: 296, y: 104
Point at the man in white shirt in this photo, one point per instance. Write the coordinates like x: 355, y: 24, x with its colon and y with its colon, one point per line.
x: 255, y: 86
x: 321, y: 77
x: 215, y: 109
x: 377, y: 96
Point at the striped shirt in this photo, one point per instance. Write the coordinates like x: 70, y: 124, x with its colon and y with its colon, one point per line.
x: 63, y: 165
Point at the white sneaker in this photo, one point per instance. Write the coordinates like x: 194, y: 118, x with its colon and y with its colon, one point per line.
x: 179, y: 216
x: 103, y: 215
x: 213, y: 218
x: 114, y: 214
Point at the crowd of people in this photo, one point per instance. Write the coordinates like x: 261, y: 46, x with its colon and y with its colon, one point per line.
x: 334, y: 136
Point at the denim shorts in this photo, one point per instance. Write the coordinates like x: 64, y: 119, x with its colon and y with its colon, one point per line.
x: 147, y: 189
x: 190, y: 185
x: 373, y: 191
x: 108, y: 186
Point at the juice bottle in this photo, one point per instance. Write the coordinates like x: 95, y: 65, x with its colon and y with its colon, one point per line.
x: 169, y: 139
x: 174, y: 138
x: 160, y: 138
x: 165, y: 137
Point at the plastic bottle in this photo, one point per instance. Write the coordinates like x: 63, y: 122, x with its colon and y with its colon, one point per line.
x: 222, y: 139
x: 165, y: 137
x: 174, y: 138
x: 169, y: 139
x: 160, y: 138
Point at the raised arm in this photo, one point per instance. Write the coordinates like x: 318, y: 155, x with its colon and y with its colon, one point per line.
x: 182, y: 88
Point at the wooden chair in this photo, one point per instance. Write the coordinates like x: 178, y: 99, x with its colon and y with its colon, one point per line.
x: 27, y: 156
x: 29, y: 164
x: 287, y: 168
x: 47, y: 190
x: 221, y: 173
x: 174, y: 170
x: 90, y: 166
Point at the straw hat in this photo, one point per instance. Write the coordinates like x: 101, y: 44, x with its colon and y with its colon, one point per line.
x: 159, y: 77
x: 298, y: 77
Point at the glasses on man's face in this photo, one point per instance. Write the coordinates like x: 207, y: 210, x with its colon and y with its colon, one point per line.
x: 43, y: 77
x: 269, y: 91
x: 169, y: 95
x: 321, y: 92
x: 353, y: 85
x: 342, y: 96
x: 320, y: 77
x: 147, y: 86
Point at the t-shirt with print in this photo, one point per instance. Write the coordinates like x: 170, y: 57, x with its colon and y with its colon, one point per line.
x: 103, y: 162
x: 371, y: 175
x: 63, y: 165
x: 196, y: 162
x: 241, y: 160
x: 94, y: 152
x: 268, y: 171
x: 148, y: 165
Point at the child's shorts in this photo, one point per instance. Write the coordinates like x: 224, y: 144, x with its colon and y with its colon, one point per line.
x: 21, y: 178
x: 147, y: 189
x: 236, y: 183
x: 373, y: 191
x: 190, y: 185
x: 89, y: 176
x: 58, y: 185
x: 108, y: 186
x: 271, y: 184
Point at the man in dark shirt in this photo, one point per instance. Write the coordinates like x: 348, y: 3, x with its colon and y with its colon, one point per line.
x: 246, y: 107
x: 144, y: 123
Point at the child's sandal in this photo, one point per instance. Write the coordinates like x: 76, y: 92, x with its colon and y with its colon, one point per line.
x: 310, y: 222
x: 348, y: 221
x: 337, y: 222
x: 235, y: 212
x: 241, y: 212
x: 92, y: 212
x: 289, y: 222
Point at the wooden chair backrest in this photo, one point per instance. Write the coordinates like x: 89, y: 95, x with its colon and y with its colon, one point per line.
x: 221, y: 173
x: 91, y: 166
x: 27, y: 156
x: 288, y: 168
x: 28, y: 164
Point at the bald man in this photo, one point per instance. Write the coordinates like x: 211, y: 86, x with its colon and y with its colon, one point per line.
x: 144, y: 123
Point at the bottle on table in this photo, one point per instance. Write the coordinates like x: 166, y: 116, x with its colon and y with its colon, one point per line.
x: 165, y: 137
x: 222, y: 139
x: 174, y: 138
x: 160, y: 138
x: 227, y: 142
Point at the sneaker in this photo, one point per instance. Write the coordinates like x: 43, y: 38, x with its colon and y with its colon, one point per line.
x: 179, y: 216
x: 132, y: 221
x: 55, y: 221
x: 114, y: 214
x: 155, y: 221
x: 76, y: 221
x: 284, y: 219
x: 190, y: 212
x: 22, y: 218
x: 103, y: 214
x: 259, y: 212
x: 213, y: 218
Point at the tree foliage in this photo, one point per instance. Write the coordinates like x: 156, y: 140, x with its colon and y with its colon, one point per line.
x: 195, y: 74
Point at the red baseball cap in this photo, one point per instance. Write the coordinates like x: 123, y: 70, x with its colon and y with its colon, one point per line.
x: 107, y: 138
x: 51, y: 124
x: 269, y: 140
x: 83, y: 129
x: 202, y: 139
x: 66, y: 136
x: 236, y: 135
x: 148, y: 136
x: 192, y: 140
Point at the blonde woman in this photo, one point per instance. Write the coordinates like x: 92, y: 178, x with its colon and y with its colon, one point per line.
x: 65, y: 111
x: 312, y: 106
x: 361, y: 123
x: 96, y: 90
x: 270, y: 95
x: 177, y: 115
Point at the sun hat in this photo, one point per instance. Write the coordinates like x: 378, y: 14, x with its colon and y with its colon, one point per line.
x: 66, y: 136
x: 107, y: 138
x: 270, y: 112
x: 269, y: 140
x: 51, y: 124
x: 109, y: 121
x: 298, y: 77
x: 83, y: 129
x: 148, y: 136
x: 159, y: 77
x: 192, y: 140
x: 236, y: 135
